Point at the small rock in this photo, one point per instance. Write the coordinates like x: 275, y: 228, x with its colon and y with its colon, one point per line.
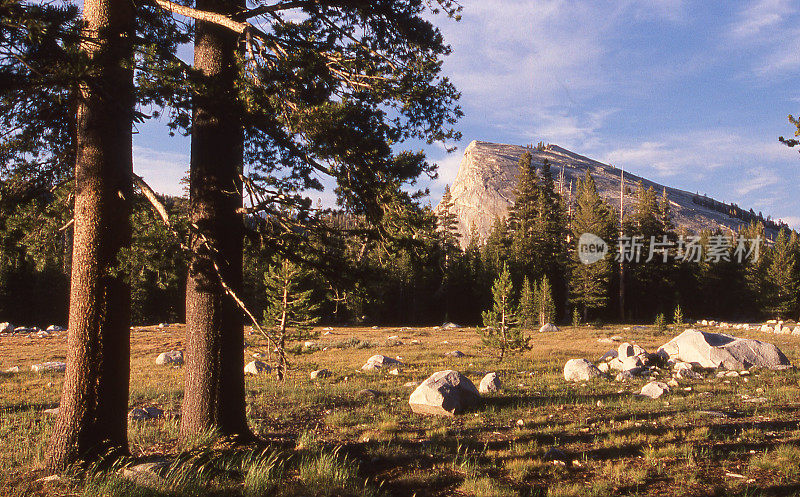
x: 51, y: 412
x: 554, y: 454
x: 256, y: 368
x: 12, y: 369
x: 173, y: 357
x: 395, y: 372
x: 521, y: 423
x: 138, y: 415
x: 6, y: 327
x: 490, y: 383
x: 450, y: 326
x: 654, y: 389
x: 54, y: 328
x: 455, y: 353
x: 49, y: 366
x: 411, y: 384
x: 320, y: 373
x: 368, y: 393
x: 548, y: 328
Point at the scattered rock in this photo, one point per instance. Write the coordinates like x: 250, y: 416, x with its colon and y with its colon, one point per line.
x: 444, y: 393
x: 629, y: 350
x: 379, y: 361
x: 450, y: 326
x: 580, y: 370
x: 605, y: 340
x: 411, y: 384
x: 42, y: 334
x: 395, y: 372
x: 547, y: 328
x: 654, y: 389
x: 688, y: 374
x: 632, y: 363
x: 49, y: 366
x: 611, y: 354
x: 320, y: 373
x: 714, y: 350
x: 455, y: 353
x: 617, y: 338
x: 163, y: 325
x: 604, y: 367
x: 12, y: 369
x: 173, y: 357
x: 625, y: 376
x: 51, y: 412
x: 490, y: 383
x: 554, y: 454
x: 149, y: 474
x: 52, y: 328
x: 6, y: 327
x: 256, y: 368
x: 144, y: 414
x: 368, y: 393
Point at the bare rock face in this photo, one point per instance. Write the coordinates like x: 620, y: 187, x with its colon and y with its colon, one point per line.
x: 445, y: 393
x: 484, y: 187
x: 717, y: 350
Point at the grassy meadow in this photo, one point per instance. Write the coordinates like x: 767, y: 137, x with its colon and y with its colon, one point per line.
x: 540, y: 436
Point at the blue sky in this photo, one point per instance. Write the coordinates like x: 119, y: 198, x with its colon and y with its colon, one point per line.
x: 689, y: 94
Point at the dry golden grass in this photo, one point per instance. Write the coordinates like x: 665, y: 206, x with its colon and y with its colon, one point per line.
x: 690, y: 442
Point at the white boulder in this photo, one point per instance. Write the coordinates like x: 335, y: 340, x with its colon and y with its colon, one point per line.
x: 320, y: 373
x: 444, y: 393
x: 6, y: 327
x: 171, y: 358
x: 580, y: 370
x: 490, y: 383
x: 717, y: 350
x: 450, y: 326
x: 49, y: 366
x: 654, y: 389
x: 547, y: 328
x: 256, y: 368
x: 379, y: 361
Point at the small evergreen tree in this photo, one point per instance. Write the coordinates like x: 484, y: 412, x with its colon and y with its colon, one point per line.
x: 677, y: 317
x: 527, y: 305
x: 781, y: 277
x: 290, y: 311
x: 545, y: 305
x: 502, y: 329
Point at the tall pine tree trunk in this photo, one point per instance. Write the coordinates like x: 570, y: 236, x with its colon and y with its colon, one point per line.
x: 214, y: 391
x: 92, y: 417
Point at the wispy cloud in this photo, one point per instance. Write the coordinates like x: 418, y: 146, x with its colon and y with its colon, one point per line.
x: 697, y: 153
x: 757, y: 179
x: 162, y: 170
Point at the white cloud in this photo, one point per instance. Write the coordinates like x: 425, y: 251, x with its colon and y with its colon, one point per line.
x: 163, y: 171
x: 757, y: 179
x: 696, y: 153
x: 759, y: 16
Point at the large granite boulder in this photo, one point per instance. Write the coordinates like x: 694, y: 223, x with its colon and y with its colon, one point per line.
x: 580, y: 370
x: 717, y: 350
x: 444, y: 393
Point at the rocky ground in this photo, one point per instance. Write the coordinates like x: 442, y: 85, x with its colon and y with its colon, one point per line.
x: 709, y: 432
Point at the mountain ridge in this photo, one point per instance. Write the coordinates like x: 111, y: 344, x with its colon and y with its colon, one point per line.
x: 483, y: 189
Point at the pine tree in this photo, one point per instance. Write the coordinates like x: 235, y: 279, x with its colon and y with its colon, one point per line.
x: 447, y: 224
x: 502, y: 329
x: 290, y: 311
x: 545, y: 305
x: 537, y: 226
x: 527, y: 311
x: 589, y: 283
x: 781, y: 276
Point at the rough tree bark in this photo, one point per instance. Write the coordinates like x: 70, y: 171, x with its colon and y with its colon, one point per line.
x: 92, y: 417
x: 214, y: 387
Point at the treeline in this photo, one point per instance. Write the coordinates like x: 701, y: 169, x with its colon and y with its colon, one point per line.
x: 737, y: 212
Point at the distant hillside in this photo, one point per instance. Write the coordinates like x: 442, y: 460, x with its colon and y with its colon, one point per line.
x: 483, y: 189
